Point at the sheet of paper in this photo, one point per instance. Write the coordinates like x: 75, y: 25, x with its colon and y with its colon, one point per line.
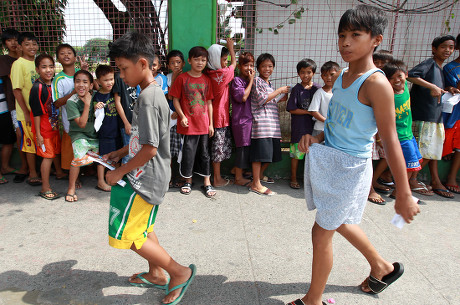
x: 171, y: 121
x: 97, y: 158
x: 99, y: 118
x: 398, y: 221
x: 449, y: 101
x: 43, y: 147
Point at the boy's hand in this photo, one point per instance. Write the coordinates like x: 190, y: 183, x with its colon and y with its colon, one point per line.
x: 112, y: 156
x: 437, y: 92
x: 406, y: 207
x: 112, y: 177
x: 452, y: 90
x: 40, y: 141
x: 211, y: 131
x: 184, y: 122
x: 128, y: 128
x: 284, y: 89
x: 176, y: 71
x: 283, y: 99
x: 83, y: 64
x: 174, y: 115
x: 27, y: 118
x: 306, y: 141
x: 99, y: 105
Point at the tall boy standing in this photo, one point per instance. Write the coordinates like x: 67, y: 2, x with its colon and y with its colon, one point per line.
x: 193, y: 102
x: 338, y: 174
x: 426, y: 94
x: 301, y: 120
x: 133, y: 208
x: 23, y: 75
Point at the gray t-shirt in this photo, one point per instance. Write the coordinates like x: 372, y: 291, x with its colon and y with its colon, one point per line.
x: 150, y: 126
x: 425, y: 107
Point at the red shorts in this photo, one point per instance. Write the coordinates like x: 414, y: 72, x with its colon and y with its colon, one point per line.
x: 52, y: 147
x: 452, y: 141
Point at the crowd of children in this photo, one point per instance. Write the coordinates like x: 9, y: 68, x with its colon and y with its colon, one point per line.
x: 142, y: 118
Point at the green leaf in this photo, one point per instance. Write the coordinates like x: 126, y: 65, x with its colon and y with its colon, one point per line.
x: 270, y: 29
x: 275, y: 32
x: 298, y: 14
x: 279, y: 26
x: 293, y: 1
x: 260, y: 31
x: 302, y: 9
x: 291, y: 21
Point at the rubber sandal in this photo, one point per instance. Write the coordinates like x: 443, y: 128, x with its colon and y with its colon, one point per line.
x: 186, y: 189
x: 453, y: 188
x: 294, y: 185
x: 207, y: 189
x: 73, y: 197
x: 227, y: 182
x: 267, y: 192
x: 376, y: 286
x: 300, y: 302
x: 147, y: 283
x: 443, y: 193
x: 184, y: 287
x: 422, y: 191
x: 44, y: 195
x: 34, y: 181
x: 383, y: 182
x: 3, y: 180
x: 377, y: 200
x: 65, y: 177
x: 267, y: 179
x: 19, y: 178
x: 14, y: 171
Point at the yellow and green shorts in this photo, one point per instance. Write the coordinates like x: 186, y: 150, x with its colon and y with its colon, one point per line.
x: 131, y: 218
x: 295, y: 153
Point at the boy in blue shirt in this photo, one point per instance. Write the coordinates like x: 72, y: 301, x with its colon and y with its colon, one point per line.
x: 133, y: 208
x: 338, y: 174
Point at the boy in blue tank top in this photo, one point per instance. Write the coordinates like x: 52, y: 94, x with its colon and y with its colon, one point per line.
x: 338, y: 174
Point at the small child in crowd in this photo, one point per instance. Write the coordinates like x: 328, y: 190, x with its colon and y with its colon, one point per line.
x: 301, y: 119
x: 23, y: 74
x: 45, y: 124
x: 221, y: 76
x: 109, y: 132
x: 396, y: 72
x: 452, y: 122
x: 338, y: 174
x: 133, y: 208
x: 321, y: 98
x: 428, y: 87
x: 193, y: 96
x: 176, y: 63
x: 63, y: 89
x: 266, y: 131
x: 8, y: 122
x: 159, y: 77
x: 240, y: 93
x: 80, y: 112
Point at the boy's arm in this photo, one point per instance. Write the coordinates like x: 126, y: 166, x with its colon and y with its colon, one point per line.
x: 146, y: 153
x: 83, y: 118
x: 299, y: 111
x: 435, y: 91
x: 121, y: 113
x: 63, y: 100
x: 22, y: 103
x: 232, y: 52
x: 317, y: 116
x: 180, y: 113
x: 211, y: 124
x: 378, y: 93
x: 37, y: 120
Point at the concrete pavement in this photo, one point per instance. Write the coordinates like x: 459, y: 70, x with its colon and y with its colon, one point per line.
x: 248, y: 249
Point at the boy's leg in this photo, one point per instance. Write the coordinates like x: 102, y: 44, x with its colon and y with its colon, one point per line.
x: 7, y: 149
x: 379, y: 169
x: 256, y: 174
x: 294, y: 165
x: 101, y: 184
x: 24, y: 169
x: 57, y: 164
x: 218, y: 180
x: 157, y: 255
x: 436, y: 184
x: 454, y: 167
x: 33, y: 175
x: 356, y: 236
x: 239, y: 178
x: 45, y: 169
x: 321, y: 265
x: 73, y: 175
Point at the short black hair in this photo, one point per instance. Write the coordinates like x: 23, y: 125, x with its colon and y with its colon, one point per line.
x: 390, y: 68
x: 197, y: 52
x: 175, y: 53
x: 457, y: 42
x: 65, y: 46
x: 382, y: 55
x: 263, y: 57
x: 364, y: 18
x: 306, y: 63
x: 42, y: 56
x: 132, y: 46
x: 89, y: 75
x: 103, y: 70
x: 329, y: 65
x: 9, y: 33
x: 440, y: 39
x: 225, y: 52
x: 26, y: 35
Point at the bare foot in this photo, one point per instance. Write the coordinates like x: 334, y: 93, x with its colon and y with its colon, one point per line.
x: 375, y: 198
x: 173, y: 282
x: 78, y: 184
x: 221, y: 182
x: 103, y: 187
x: 159, y: 279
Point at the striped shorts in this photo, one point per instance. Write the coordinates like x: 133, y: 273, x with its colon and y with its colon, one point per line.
x: 131, y: 218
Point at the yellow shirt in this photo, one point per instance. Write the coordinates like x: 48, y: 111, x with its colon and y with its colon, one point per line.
x: 23, y: 75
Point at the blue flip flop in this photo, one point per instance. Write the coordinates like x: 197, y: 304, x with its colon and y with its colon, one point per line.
x: 147, y: 283
x: 184, y: 287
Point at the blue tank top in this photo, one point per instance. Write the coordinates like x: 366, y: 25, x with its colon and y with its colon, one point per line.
x: 350, y: 125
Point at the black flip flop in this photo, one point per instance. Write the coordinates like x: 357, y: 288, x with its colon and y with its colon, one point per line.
x: 300, y: 302
x: 208, y: 189
x: 19, y: 178
x: 376, y: 286
x: 186, y: 186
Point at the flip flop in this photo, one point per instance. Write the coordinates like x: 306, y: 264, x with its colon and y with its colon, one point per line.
x: 3, y: 180
x: 294, y: 185
x: 453, y: 188
x: 184, y: 287
x: 383, y: 190
x: 300, y: 302
x: 19, y: 178
x: 73, y: 197
x: 383, y: 182
x: 65, y: 177
x: 443, y: 193
x: 186, y: 189
x: 227, y: 182
x: 267, y: 179
x: 36, y: 181
x: 377, y: 200
x: 207, y: 189
x: 44, y: 195
x: 10, y: 172
x: 422, y: 191
x: 376, y: 286
x: 267, y: 191
x: 147, y: 283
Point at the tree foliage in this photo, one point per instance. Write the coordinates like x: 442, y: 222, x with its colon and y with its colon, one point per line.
x: 44, y: 18
x: 95, y: 49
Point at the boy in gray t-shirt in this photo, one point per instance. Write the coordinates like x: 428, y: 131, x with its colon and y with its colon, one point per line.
x: 133, y: 208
